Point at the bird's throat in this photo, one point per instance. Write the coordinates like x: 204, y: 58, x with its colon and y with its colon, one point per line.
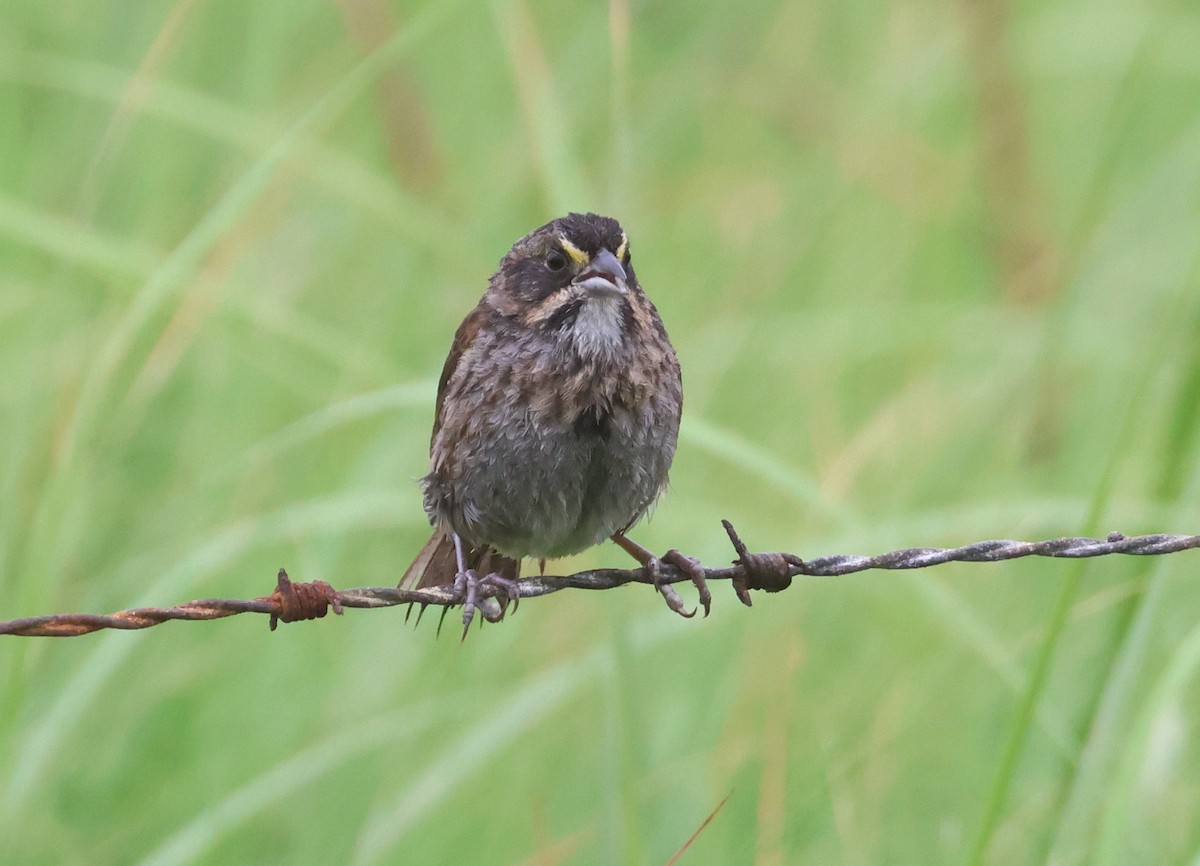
x: 600, y: 325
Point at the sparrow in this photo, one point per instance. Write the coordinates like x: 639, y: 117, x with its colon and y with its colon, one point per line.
x: 556, y: 421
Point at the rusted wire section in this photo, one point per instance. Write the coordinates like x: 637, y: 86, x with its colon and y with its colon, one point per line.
x: 288, y: 603
x: 769, y: 572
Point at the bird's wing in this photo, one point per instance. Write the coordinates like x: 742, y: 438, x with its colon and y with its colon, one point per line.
x: 463, y: 338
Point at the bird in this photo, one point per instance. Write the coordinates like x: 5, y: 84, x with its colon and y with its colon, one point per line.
x: 556, y: 421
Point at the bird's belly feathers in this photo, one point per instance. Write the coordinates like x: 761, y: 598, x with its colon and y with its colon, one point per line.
x: 545, y: 487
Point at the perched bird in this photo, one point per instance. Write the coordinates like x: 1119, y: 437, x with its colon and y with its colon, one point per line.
x: 557, y: 416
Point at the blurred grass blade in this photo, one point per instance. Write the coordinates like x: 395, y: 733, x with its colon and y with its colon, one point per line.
x: 73, y: 242
x: 531, y: 704
x: 349, y: 411
x: 1169, y: 691
x: 544, y: 112
x: 239, y: 806
x: 759, y: 463
x: 340, y: 173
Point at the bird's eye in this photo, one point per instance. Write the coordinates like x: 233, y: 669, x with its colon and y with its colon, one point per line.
x: 555, y: 260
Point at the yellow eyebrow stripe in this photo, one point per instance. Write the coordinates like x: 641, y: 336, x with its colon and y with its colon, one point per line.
x: 577, y: 255
x: 623, y: 247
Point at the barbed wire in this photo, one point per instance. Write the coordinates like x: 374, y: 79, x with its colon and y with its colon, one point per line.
x: 768, y: 572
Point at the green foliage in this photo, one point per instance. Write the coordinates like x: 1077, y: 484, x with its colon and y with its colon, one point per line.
x: 932, y: 272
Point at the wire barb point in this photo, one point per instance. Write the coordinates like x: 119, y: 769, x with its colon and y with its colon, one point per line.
x: 297, y: 601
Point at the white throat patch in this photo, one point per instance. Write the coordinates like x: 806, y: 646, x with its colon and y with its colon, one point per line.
x: 599, y: 325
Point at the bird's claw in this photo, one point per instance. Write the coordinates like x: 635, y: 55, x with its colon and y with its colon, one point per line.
x: 494, y: 607
x: 653, y: 570
x: 507, y: 591
x: 691, y: 566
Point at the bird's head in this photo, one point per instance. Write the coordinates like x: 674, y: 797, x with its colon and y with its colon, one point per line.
x: 572, y: 278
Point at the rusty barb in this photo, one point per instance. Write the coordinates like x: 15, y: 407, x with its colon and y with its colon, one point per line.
x: 767, y: 572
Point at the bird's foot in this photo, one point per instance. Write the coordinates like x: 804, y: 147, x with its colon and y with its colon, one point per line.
x: 689, y: 566
x: 652, y: 566
x: 467, y: 585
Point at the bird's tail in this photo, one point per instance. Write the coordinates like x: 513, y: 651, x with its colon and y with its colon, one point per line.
x: 436, y: 564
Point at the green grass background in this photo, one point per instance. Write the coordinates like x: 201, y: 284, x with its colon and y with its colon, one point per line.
x: 932, y: 272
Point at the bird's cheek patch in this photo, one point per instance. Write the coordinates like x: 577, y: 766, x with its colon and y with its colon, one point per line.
x: 545, y: 309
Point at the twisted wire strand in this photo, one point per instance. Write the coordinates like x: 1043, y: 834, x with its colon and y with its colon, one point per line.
x: 770, y: 572
x: 1002, y: 549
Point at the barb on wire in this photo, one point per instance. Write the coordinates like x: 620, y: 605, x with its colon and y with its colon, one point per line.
x: 769, y: 572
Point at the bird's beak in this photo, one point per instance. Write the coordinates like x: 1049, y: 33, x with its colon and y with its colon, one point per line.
x: 603, y: 275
